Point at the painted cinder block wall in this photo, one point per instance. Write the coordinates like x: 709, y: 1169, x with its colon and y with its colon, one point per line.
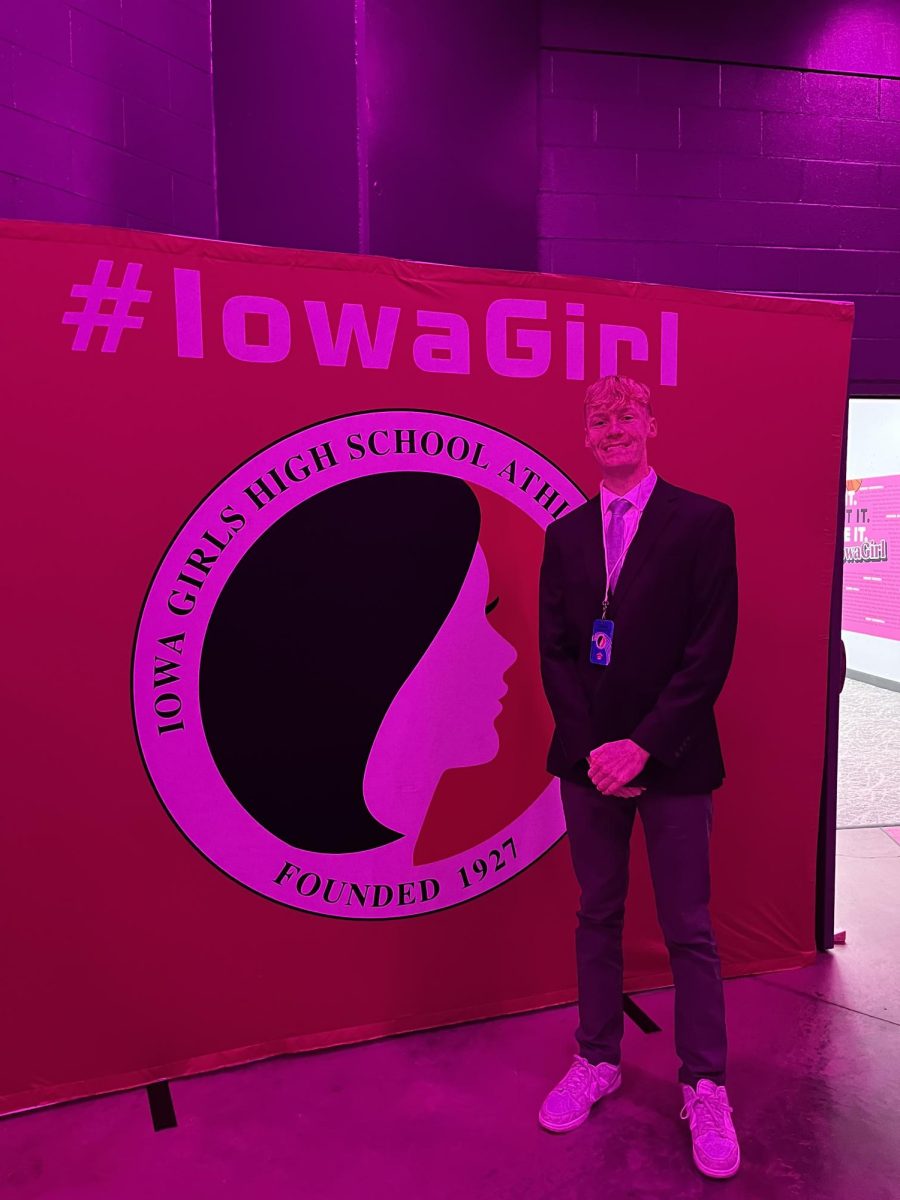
x: 106, y: 113
x: 390, y: 127
x: 779, y: 173
x: 706, y: 147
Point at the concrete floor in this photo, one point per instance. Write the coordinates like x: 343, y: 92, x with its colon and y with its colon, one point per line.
x: 868, y: 783
x: 814, y: 1079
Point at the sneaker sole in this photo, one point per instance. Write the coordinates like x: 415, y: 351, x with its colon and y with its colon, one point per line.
x: 712, y: 1173
x: 584, y: 1116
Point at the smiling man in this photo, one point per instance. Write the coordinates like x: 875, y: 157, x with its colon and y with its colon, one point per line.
x: 638, y: 617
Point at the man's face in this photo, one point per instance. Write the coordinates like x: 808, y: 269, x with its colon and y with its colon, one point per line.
x: 618, y: 437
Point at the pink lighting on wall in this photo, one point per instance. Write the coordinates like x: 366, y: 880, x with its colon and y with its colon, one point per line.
x: 862, y: 37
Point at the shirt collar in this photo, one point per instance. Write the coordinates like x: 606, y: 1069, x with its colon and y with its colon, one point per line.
x: 639, y: 494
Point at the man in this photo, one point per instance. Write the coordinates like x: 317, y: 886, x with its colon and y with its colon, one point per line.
x: 635, y: 732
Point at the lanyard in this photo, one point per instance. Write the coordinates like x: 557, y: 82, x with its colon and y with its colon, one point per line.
x: 605, y: 556
x: 609, y: 573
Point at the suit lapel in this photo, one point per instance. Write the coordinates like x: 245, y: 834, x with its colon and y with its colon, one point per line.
x: 658, y: 512
x: 592, y: 548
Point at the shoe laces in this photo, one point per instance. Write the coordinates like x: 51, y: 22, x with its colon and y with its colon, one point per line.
x: 577, y: 1079
x: 710, y: 1110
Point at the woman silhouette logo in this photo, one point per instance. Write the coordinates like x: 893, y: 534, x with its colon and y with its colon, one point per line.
x: 336, y: 660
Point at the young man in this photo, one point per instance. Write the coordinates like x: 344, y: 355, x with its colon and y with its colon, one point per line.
x: 633, y: 699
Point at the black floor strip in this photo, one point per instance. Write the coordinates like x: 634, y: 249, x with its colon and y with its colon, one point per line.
x: 644, y: 1023
x: 162, y: 1110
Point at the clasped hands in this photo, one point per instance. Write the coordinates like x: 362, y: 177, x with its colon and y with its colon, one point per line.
x: 613, y: 765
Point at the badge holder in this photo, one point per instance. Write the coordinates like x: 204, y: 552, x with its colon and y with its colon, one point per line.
x: 601, y: 642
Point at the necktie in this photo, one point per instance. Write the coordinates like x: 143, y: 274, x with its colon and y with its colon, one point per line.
x: 615, y: 539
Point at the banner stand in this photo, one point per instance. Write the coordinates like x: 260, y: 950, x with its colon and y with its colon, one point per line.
x: 162, y: 1107
x: 643, y: 1021
x: 826, y: 849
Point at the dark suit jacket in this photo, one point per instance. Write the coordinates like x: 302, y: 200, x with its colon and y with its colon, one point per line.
x: 675, y: 614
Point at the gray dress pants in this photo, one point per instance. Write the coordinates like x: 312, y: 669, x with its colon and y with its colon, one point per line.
x: 677, y: 832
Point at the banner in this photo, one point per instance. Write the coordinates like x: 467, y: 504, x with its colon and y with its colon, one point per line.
x: 871, y: 602
x: 276, y: 776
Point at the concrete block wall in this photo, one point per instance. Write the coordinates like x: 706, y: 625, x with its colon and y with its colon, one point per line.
x: 661, y: 158
x: 106, y: 113
x: 717, y: 175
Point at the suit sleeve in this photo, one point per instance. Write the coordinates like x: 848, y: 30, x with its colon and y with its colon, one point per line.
x: 564, y: 687
x: 691, y: 692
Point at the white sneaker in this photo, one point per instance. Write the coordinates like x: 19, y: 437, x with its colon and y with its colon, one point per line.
x: 570, y: 1102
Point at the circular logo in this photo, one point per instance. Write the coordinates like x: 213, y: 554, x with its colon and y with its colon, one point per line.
x: 326, y: 697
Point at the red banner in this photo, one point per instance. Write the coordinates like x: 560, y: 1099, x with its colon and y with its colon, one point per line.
x: 277, y: 769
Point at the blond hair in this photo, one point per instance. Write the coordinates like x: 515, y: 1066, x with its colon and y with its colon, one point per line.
x: 615, y: 392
